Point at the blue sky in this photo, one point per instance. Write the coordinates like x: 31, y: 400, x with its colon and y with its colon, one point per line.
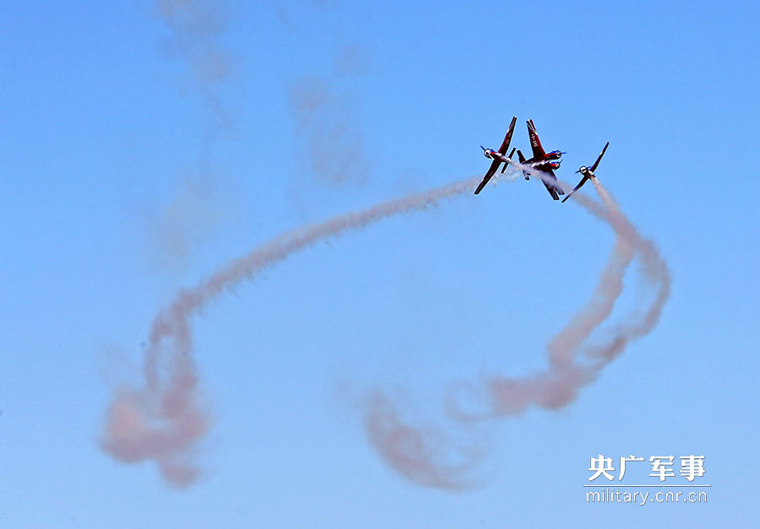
x: 126, y: 175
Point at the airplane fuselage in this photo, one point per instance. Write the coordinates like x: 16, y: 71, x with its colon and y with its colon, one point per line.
x: 544, y: 165
x: 548, y: 157
x: 550, y: 161
x: 495, y: 155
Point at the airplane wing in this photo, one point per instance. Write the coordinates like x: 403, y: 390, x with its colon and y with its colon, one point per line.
x: 550, y: 181
x: 596, y: 163
x: 508, y: 137
x: 489, y: 174
x: 503, y: 151
x: 538, y: 151
x: 580, y: 185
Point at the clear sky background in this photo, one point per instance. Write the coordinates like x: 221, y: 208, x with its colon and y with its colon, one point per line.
x: 140, y: 151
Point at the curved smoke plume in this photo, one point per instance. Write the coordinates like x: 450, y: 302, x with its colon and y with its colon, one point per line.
x: 164, y: 420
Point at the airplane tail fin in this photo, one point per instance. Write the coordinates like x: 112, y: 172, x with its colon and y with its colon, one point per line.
x: 506, y: 164
x: 522, y: 160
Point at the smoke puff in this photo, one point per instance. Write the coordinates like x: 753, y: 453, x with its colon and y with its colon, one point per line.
x: 354, y: 60
x: 423, y: 456
x: 327, y: 127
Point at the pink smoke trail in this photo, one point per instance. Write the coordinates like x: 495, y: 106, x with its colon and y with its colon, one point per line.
x: 656, y: 271
x: 425, y: 456
x: 165, y: 420
x: 564, y: 344
x: 559, y: 385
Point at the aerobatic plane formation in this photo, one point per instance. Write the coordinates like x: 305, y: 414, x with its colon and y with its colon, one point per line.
x: 543, y: 164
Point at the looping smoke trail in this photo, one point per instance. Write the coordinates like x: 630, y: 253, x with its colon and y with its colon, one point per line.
x: 654, y: 268
x: 552, y: 389
x: 164, y: 421
x: 564, y: 345
x: 558, y: 386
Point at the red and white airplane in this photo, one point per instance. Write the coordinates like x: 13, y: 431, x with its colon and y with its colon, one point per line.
x: 543, y: 162
x: 587, y: 172
x: 498, y: 157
